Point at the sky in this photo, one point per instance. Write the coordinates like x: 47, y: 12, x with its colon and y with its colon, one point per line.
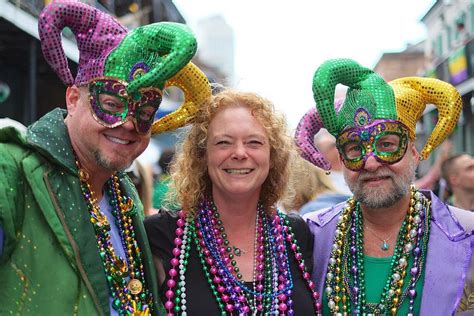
x: 280, y: 44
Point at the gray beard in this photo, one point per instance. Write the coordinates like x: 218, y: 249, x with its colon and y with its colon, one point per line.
x: 380, y: 197
x: 107, y: 165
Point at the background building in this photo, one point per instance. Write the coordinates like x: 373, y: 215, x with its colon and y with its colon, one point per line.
x: 409, y: 62
x: 216, y: 42
x: 449, y: 51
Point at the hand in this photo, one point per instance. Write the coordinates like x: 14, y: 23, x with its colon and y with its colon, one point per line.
x: 444, y: 152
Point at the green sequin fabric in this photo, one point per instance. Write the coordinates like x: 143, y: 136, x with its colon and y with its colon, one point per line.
x: 367, y: 90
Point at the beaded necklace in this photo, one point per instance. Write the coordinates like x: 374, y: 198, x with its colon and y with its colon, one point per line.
x: 272, y: 285
x: 125, y: 276
x: 345, y: 282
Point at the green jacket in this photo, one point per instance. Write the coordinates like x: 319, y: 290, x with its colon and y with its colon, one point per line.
x: 50, y: 263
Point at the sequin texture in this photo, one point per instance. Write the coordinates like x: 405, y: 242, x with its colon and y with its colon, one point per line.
x: 145, y: 57
x: 368, y: 99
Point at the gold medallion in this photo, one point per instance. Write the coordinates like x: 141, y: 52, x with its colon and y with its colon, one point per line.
x: 135, y: 286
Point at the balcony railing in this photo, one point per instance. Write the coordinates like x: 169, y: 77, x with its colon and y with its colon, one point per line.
x: 34, y: 7
x: 154, y: 11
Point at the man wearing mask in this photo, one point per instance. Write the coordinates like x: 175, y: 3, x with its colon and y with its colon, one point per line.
x: 70, y: 219
x: 391, y: 249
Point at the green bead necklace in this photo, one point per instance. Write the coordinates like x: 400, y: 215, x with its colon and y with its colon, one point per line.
x: 125, y: 276
x: 345, y: 279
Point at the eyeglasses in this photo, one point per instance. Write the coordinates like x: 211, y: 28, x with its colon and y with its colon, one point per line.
x: 111, y: 105
x: 386, y: 141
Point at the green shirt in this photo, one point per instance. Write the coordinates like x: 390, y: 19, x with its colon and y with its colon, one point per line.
x: 376, y: 273
x: 160, y: 191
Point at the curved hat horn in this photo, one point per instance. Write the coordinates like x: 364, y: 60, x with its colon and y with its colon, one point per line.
x: 174, y: 41
x: 414, y: 93
x: 197, y: 90
x: 326, y: 78
x: 310, y: 125
x: 357, y: 78
x: 96, y: 34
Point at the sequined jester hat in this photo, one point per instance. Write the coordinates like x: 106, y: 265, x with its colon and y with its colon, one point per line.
x: 372, y: 111
x: 134, y: 66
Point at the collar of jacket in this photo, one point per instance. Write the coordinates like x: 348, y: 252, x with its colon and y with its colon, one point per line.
x: 49, y: 135
x: 446, y: 221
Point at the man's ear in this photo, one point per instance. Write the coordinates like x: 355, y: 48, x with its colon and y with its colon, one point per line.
x: 73, y: 94
x: 453, y: 180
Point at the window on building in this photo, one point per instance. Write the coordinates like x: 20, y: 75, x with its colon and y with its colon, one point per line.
x: 449, y: 33
x: 439, y: 46
x: 461, y: 30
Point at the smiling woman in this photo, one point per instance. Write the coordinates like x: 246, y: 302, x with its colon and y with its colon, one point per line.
x: 238, y: 154
x: 229, y: 250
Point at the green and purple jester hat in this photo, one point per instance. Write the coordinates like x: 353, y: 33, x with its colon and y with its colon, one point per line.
x: 376, y: 119
x: 366, y: 89
x: 132, y: 65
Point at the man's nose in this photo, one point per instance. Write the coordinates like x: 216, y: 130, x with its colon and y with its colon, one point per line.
x: 371, y: 163
x: 129, y: 125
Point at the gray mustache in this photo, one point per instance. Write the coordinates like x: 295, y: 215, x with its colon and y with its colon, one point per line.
x: 368, y: 176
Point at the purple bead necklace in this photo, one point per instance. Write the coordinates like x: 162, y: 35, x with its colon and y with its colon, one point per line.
x: 272, y: 286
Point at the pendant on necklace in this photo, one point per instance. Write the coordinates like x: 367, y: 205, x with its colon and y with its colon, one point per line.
x: 385, y: 246
x: 237, y: 251
x: 135, y: 286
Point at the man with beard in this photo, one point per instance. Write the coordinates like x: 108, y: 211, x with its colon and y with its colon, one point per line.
x: 391, y: 249
x: 72, y: 240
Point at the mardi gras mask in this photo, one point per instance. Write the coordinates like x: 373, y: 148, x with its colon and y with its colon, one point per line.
x: 111, y: 105
x: 386, y: 141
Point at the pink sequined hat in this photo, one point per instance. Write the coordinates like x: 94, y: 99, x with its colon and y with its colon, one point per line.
x: 144, y: 57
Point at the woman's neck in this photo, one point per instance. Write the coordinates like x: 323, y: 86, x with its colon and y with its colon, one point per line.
x: 237, y: 214
x: 236, y: 209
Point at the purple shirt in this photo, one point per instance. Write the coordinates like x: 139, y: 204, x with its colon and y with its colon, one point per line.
x: 450, y: 249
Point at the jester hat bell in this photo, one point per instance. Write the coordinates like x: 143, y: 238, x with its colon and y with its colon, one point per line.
x: 369, y: 99
x: 151, y: 56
